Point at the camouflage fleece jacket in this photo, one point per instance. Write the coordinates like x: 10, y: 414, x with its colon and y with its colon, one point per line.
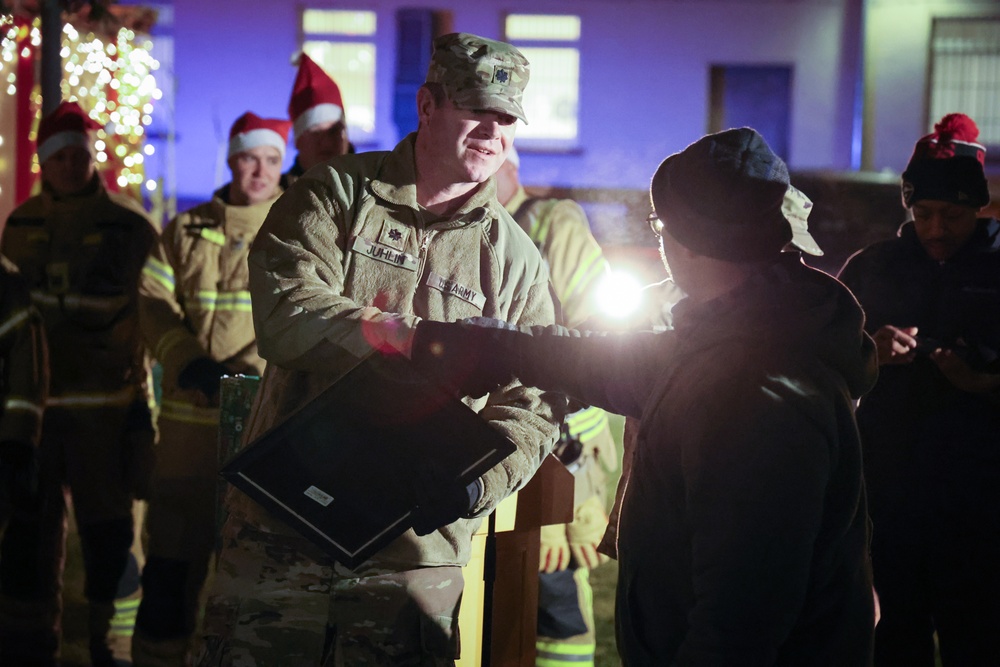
x: 346, y: 246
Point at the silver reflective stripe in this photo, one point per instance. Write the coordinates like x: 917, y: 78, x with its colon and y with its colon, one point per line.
x: 21, y: 405
x: 92, y: 399
x: 14, y: 321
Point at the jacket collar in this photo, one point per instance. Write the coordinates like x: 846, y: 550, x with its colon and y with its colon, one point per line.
x: 251, y: 213
x: 396, y: 181
x: 985, y: 238
x: 94, y: 191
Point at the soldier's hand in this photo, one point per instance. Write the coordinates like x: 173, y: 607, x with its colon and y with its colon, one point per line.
x: 19, y: 474
x: 895, y: 345
x: 555, y: 552
x: 203, y: 374
x: 441, y: 501
x: 590, y: 521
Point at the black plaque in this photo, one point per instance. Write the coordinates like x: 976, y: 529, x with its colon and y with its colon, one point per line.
x: 348, y: 470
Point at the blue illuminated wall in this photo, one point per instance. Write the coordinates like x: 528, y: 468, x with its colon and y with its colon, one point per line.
x: 645, y: 78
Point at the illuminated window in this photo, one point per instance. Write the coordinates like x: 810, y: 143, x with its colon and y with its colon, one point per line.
x: 342, y: 43
x: 965, y: 75
x: 552, y: 46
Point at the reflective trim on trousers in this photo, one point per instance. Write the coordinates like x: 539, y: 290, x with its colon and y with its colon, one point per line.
x: 93, y: 399
x: 188, y: 413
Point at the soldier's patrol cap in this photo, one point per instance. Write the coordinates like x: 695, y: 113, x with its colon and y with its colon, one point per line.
x: 480, y: 73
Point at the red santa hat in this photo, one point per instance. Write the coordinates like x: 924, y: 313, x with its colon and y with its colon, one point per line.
x: 947, y: 165
x: 68, y: 125
x: 250, y: 131
x: 315, y: 97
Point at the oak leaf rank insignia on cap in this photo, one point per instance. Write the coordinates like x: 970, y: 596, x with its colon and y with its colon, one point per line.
x: 480, y: 73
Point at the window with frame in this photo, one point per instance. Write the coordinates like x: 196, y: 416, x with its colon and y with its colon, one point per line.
x: 551, y: 43
x: 965, y: 75
x: 342, y: 42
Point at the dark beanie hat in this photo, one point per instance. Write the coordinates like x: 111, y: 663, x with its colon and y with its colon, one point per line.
x: 947, y: 165
x: 721, y: 197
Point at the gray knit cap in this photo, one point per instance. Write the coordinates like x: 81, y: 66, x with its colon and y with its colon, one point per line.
x: 722, y: 196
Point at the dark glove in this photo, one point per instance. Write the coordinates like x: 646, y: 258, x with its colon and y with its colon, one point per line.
x: 203, y: 374
x: 138, y: 451
x: 19, y: 474
x: 440, y: 511
x: 471, y: 358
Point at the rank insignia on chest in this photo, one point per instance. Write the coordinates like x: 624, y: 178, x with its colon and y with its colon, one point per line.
x: 394, y: 234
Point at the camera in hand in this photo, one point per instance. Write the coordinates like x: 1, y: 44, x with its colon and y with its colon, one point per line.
x: 927, y: 344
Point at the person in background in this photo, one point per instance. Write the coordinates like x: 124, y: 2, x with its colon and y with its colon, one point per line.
x: 930, y: 426
x: 24, y: 386
x: 316, y: 110
x: 80, y: 250
x: 743, y: 533
x: 364, y: 240
x: 195, y: 316
x: 561, y: 232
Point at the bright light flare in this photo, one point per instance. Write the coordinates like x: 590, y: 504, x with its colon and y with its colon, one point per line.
x: 619, y: 295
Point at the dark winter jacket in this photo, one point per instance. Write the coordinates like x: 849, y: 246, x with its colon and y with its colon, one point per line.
x: 918, y: 429
x: 743, y: 537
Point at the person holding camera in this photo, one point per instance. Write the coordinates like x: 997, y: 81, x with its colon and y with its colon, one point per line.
x: 930, y: 427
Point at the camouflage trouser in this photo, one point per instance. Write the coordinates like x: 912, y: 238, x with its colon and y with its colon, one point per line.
x: 272, y: 604
x: 385, y: 619
x: 268, y: 603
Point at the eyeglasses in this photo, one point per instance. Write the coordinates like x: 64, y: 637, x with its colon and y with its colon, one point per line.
x: 654, y: 223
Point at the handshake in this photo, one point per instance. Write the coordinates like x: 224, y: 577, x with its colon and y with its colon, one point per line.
x: 474, y: 357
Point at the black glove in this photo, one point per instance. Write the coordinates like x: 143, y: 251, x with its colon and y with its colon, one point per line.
x: 138, y: 451
x: 203, y: 374
x: 19, y: 475
x: 455, y: 504
x: 472, y: 359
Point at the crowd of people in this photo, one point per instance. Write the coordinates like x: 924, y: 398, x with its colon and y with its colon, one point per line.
x: 811, y: 462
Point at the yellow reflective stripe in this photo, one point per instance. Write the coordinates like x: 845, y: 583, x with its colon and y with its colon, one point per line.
x: 211, y: 300
x: 188, y: 413
x: 92, y: 399
x: 205, y: 299
x: 213, y: 236
x: 582, y: 577
x: 588, y: 269
x: 586, y: 424
x: 13, y: 404
x: 123, y: 622
x: 169, y: 341
x: 160, y: 272
x: 549, y: 654
x: 238, y: 300
x: 14, y: 321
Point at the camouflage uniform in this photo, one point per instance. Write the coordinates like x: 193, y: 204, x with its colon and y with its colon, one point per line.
x: 344, y: 252
x: 576, y: 263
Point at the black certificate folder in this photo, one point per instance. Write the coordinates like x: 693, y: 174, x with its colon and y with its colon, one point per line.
x: 348, y: 470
